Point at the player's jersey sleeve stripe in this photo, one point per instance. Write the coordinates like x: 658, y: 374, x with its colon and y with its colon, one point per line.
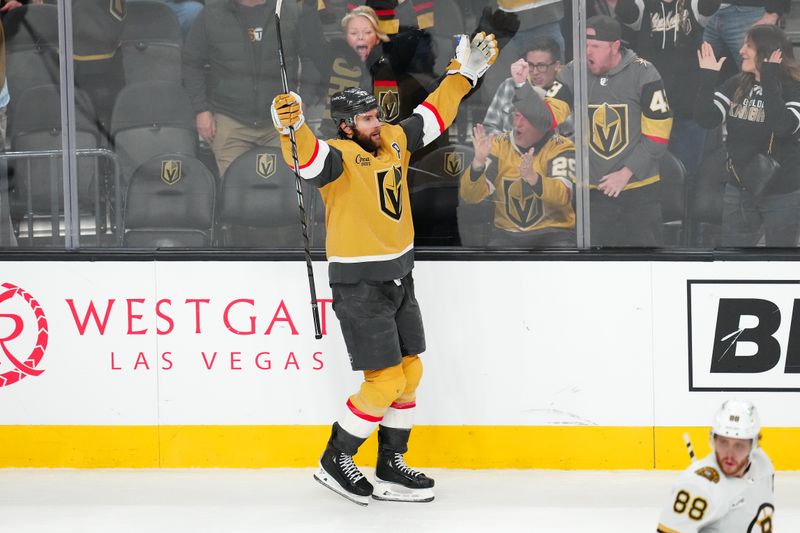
x: 433, y: 126
x: 721, y: 109
x: 403, y: 405
x: 796, y: 114
x: 553, y: 121
x: 659, y: 140
x: 657, y: 129
x: 567, y: 183
x: 559, y: 110
x: 313, y: 167
x: 664, y: 529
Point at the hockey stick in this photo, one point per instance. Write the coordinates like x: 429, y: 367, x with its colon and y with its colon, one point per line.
x: 297, y: 182
x: 689, y: 447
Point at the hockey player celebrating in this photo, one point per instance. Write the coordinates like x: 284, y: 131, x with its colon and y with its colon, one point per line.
x: 730, y: 490
x: 370, y: 237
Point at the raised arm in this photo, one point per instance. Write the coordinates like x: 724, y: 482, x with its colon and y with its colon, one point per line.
x: 433, y: 116
x: 782, y: 115
x: 710, y: 106
x: 316, y: 159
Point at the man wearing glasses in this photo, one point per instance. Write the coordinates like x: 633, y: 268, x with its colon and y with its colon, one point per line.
x: 538, y: 67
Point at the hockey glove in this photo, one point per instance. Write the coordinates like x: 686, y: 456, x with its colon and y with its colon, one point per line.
x: 502, y: 24
x: 287, y: 111
x: 473, y: 59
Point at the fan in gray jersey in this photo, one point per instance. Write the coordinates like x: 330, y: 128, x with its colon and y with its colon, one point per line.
x: 730, y: 490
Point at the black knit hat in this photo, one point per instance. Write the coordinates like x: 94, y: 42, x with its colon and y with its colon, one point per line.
x: 605, y: 28
x: 532, y: 107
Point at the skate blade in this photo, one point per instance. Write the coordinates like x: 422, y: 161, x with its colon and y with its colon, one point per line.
x: 327, y: 481
x: 393, y: 492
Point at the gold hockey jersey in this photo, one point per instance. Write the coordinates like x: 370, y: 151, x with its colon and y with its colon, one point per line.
x: 520, y: 207
x: 370, y: 233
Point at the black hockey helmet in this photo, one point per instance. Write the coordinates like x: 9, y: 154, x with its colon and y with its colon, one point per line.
x: 346, y: 104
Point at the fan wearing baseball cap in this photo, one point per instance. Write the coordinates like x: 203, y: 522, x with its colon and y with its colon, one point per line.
x: 630, y: 122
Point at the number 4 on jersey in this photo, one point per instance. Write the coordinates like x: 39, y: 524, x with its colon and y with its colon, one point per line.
x: 658, y: 102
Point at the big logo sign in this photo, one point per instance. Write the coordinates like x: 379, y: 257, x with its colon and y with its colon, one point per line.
x: 21, y: 354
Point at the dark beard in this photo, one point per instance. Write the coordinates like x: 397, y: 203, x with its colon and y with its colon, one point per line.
x: 364, y: 142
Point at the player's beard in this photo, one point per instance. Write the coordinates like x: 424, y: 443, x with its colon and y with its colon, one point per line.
x: 365, y: 141
x: 735, y: 471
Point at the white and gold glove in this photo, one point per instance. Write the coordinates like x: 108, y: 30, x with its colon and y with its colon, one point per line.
x: 473, y: 59
x: 287, y: 111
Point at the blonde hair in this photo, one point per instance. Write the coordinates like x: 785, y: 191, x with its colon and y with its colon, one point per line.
x: 369, y: 14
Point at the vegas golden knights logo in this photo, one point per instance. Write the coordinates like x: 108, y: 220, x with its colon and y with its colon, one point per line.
x: 454, y: 163
x: 609, y: 135
x: 117, y: 8
x: 171, y: 171
x: 266, y: 164
x: 389, y: 100
x: 390, y: 189
x: 524, y: 211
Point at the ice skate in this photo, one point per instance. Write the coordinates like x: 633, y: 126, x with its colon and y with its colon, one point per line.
x: 338, y: 472
x: 396, y: 482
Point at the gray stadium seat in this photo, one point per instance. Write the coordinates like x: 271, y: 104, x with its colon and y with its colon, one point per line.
x: 31, y: 33
x: 673, y: 182
x: 170, y: 203
x: 258, y: 204
x: 37, y: 183
x: 151, y: 43
x: 152, y: 118
x: 433, y: 186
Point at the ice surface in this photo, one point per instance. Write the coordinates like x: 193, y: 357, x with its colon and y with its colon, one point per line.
x: 229, y: 501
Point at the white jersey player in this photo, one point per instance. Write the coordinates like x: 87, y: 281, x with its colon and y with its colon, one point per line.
x: 730, y: 490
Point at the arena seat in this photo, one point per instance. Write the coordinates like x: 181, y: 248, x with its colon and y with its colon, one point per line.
x: 170, y: 203
x: 433, y: 187
x: 151, y: 43
x: 258, y: 204
x: 31, y: 33
x: 705, y: 200
x: 152, y: 118
x: 673, y: 181
x: 37, y: 184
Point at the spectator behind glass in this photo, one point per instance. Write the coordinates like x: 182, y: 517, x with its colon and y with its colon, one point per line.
x: 536, y: 19
x: 593, y: 7
x: 96, y: 29
x: 354, y: 60
x: 629, y: 128
x: 761, y: 109
x: 668, y: 35
x: 539, y: 66
x: 528, y: 173
x: 727, y: 27
x: 393, y: 15
x: 231, y: 71
x: 360, y: 59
